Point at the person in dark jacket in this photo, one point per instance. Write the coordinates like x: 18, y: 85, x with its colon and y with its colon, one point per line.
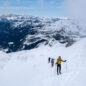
x: 52, y: 62
x: 49, y: 59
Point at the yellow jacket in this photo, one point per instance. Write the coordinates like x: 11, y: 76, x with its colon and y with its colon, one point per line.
x: 59, y: 60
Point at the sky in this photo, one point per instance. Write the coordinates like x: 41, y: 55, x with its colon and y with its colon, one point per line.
x: 73, y: 9
x: 32, y: 7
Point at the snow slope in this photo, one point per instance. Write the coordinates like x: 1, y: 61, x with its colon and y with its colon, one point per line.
x: 31, y: 68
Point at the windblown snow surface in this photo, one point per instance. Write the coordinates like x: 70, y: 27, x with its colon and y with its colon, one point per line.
x: 31, y: 68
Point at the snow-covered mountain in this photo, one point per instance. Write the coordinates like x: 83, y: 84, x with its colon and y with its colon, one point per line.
x: 46, y: 37
x: 18, y: 32
x: 31, y: 68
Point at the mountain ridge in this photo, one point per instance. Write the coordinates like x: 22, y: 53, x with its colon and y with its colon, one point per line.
x: 19, y: 32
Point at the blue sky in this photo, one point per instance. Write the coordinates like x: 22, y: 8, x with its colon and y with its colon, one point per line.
x: 32, y: 7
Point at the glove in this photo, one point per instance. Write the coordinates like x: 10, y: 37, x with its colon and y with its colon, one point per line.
x: 65, y: 60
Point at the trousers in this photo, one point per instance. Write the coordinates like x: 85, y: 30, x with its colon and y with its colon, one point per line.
x: 58, y: 68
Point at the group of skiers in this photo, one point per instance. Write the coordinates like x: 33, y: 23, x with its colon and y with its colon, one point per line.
x: 58, y: 63
x: 51, y: 60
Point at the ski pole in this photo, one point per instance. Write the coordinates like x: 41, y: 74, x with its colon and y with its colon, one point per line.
x: 66, y: 66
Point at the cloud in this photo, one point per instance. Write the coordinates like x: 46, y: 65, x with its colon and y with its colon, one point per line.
x: 76, y: 9
x: 7, y: 6
x: 52, y: 2
x: 6, y: 3
x: 41, y: 1
x: 16, y: 8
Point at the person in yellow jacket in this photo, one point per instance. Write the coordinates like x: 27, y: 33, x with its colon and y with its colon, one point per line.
x: 58, y: 62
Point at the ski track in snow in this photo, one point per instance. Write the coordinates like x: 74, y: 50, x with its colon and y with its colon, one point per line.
x: 31, y: 68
